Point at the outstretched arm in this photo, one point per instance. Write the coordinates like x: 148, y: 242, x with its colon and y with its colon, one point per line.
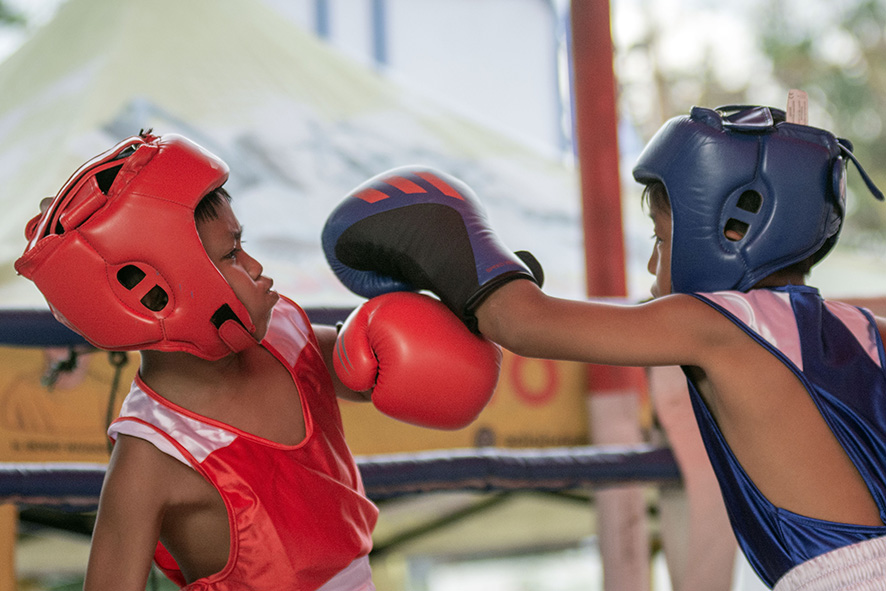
x: 673, y: 330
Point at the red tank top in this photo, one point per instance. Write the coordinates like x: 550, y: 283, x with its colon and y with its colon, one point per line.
x: 298, y: 514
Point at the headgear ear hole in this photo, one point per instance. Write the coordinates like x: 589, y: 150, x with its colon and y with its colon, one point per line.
x: 223, y: 314
x: 156, y: 299
x: 735, y: 230
x: 751, y: 201
x: 130, y: 276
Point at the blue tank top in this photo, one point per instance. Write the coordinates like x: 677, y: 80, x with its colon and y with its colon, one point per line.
x: 836, y: 352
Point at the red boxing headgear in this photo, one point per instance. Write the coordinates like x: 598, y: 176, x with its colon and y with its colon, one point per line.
x: 118, y: 257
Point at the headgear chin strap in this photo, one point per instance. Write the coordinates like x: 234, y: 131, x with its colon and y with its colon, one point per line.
x: 750, y: 193
x: 118, y: 257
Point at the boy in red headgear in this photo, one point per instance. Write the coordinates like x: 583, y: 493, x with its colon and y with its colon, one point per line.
x: 230, y: 467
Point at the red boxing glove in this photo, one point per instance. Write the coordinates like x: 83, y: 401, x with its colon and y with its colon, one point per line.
x: 425, y: 367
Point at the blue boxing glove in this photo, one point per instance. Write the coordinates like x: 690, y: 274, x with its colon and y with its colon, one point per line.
x: 414, y: 228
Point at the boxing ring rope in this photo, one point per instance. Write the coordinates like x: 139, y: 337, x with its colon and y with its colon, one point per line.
x: 39, y: 328
x: 76, y: 486
x: 490, y: 469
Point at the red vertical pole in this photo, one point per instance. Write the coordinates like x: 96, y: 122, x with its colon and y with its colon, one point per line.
x: 613, y: 391
x: 597, y: 143
x: 596, y: 131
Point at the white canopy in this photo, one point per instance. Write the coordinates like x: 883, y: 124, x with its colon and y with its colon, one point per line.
x: 298, y: 123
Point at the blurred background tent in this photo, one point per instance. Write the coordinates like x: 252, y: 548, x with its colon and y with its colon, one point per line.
x: 298, y: 124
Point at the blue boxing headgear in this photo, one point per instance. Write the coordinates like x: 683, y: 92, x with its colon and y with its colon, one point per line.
x: 780, y: 186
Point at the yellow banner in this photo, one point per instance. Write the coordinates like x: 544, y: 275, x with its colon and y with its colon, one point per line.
x: 538, y: 403
x: 60, y: 422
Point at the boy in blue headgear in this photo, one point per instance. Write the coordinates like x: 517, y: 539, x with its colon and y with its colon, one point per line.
x: 789, y: 389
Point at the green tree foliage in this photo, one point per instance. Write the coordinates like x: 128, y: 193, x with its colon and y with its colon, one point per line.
x: 8, y: 16
x: 835, y: 52
x: 670, y: 56
x: 754, y: 52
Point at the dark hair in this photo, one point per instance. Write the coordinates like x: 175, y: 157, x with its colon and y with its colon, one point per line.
x: 655, y: 197
x: 207, y: 208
